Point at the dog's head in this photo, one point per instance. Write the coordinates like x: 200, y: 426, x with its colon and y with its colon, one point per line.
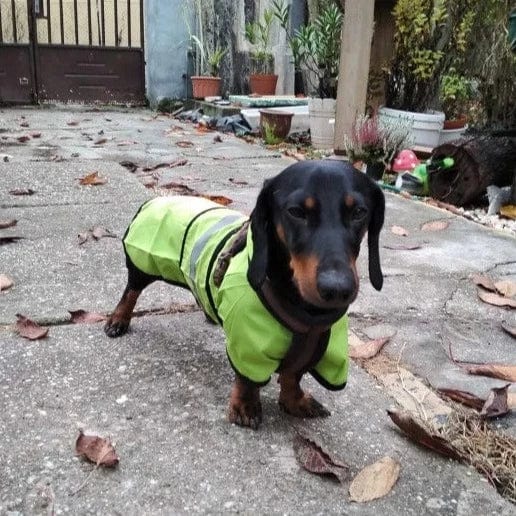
x: 315, y: 214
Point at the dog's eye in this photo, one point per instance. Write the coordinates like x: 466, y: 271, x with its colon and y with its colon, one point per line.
x: 359, y: 213
x: 297, y: 212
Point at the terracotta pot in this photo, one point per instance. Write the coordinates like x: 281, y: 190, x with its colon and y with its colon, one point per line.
x: 455, y: 123
x: 263, y: 84
x: 278, y: 121
x: 205, y: 86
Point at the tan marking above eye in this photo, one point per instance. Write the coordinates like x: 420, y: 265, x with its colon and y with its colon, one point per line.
x: 309, y: 203
x: 349, y: 201
x: 281, y: 233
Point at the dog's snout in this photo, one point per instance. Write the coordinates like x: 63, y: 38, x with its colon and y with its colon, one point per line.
x: 333, y: 285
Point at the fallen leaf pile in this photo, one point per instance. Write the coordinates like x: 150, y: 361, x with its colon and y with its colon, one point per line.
x: 372, y: 482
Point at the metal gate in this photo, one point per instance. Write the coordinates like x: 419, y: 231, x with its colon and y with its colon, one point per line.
x: 72, y: 51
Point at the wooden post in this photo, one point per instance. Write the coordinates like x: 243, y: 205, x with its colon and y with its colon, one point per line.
x: 355, y: 51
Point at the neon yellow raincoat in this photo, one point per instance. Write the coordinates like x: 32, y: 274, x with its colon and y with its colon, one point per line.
x: 178, y: 239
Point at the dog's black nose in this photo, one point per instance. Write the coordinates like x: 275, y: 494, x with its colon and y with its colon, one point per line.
x: 335, y: 286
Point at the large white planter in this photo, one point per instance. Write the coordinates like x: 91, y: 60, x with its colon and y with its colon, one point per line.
x: 322, y: 122
x: 426, y: 127
x: 449, y: 135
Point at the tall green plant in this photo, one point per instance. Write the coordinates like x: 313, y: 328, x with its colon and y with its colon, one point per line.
x: 430, y: 37
x: 258, y: 34
x: 318, y: 47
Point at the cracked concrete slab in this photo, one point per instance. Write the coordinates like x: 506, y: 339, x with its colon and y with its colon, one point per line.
x: 161, y: 391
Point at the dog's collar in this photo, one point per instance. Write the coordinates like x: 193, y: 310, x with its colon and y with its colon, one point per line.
x: 310, y: 333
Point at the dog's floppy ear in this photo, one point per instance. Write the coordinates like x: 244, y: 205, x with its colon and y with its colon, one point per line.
x: 260, y: 227
x: 373, y: 237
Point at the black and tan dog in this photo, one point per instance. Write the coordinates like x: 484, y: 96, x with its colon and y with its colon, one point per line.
x: 280, y: 286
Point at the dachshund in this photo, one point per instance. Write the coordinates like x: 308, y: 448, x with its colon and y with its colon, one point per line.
x: 279, y: 282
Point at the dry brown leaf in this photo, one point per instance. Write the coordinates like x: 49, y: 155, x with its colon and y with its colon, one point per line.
x: 494, y: 299
x: 511, y: 330
x: 482, y: 280
x: 84, y: 317
x: 29, y: 329
x: 314, y: 459
x: 399, y: 230
x: 464, y: 397
x: 511, y: 400
x: 5, y: 282
x: 72, y: 122
x: 368, y: 349
x: 184, y: 143
x: 237, y: 181
x: 402, y: 247
x: 129, y: 165
x: 496, y: 402
x: 179, y: 188
x: 500, y: 371
x: 9, y: 239
x: 495, y: 405
x: 97, y: 233
x: 435, y: 225
x: 9, y: 223
x: 35, y: 134
x: 375, y: 480
x: 22, y: 191
x: 506, y: 287
x: 96, y: 449
x: 100, y: 141
x: 219, y: 199
x: 421, y: 435
x: 24, y: 138
x: 508, y: 211
x: 92, y: 179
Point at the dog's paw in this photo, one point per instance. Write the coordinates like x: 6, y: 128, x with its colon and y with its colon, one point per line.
x: 245, y: 413
x: 115, y: 328
x: 306, y: 406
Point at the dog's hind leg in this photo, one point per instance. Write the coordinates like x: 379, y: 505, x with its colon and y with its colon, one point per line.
x: 245, y: 407
x: 118, y: 323
x: 295, y: 401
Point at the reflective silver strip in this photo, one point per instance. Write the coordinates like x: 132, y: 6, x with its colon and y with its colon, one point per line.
x: 202, y: 241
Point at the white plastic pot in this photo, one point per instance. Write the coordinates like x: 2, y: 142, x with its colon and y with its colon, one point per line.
x: 322, y: 122
x: 426, y: 127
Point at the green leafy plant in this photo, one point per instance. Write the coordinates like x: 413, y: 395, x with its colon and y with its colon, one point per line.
x: 373, y: 140
x: 455, y: 92
x: 210, y: 59
x: 269, y: 134
x: 430, y: 37
x: 258, y: 34
x: 317, y: 48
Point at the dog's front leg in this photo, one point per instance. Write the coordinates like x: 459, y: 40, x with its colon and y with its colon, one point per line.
x: 295, y: 401
x: 245, y: 407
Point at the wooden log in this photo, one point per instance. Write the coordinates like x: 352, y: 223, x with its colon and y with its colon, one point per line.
x: 479, y: 162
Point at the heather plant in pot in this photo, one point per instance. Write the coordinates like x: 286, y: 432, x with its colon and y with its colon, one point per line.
x: 374, y: 143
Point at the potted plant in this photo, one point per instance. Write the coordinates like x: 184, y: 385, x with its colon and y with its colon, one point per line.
x: 262, y: 79
x: 455, y: 92
x: 282, y: 14
x: 207, y: 83
x: 429, y: 36
x: 374, y: 143
x: 317, y: 47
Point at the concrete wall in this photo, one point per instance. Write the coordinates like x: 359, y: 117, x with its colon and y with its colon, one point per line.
x: 166, y: 46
